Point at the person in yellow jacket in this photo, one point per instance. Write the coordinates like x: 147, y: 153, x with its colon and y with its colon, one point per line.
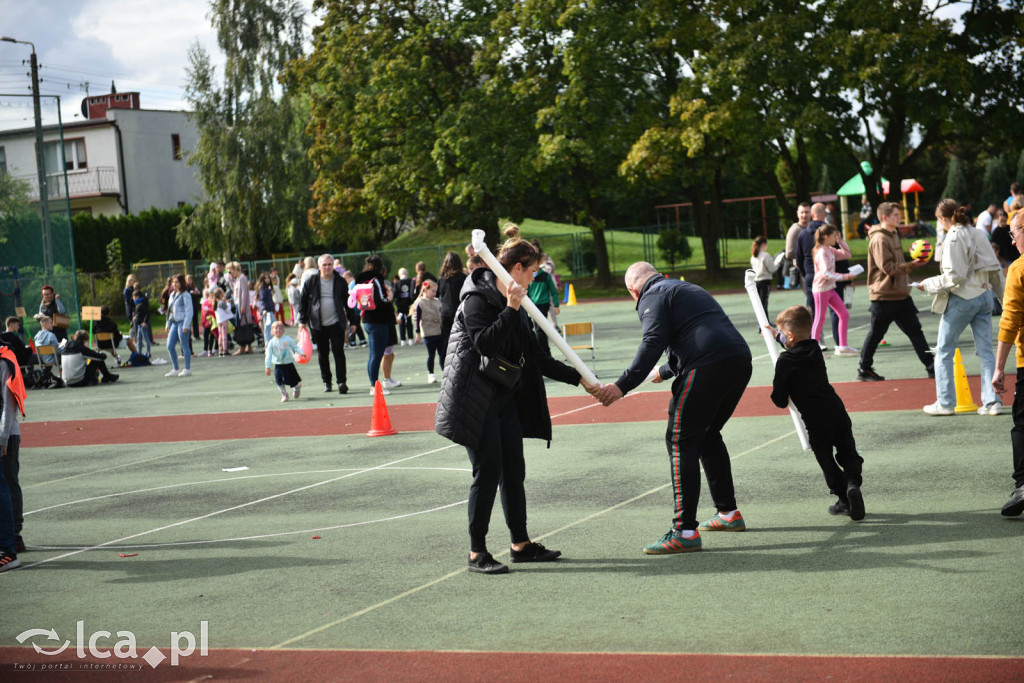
x: 1011, y: 332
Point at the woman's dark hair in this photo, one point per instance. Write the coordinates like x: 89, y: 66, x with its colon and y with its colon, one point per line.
x: 451, y: 266
x: 755, y: 248
x: 516, y: 250
x: 952, y: 210
x: 376, y: 264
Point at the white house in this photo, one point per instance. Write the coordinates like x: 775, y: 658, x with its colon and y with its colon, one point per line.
x: 120, y: 159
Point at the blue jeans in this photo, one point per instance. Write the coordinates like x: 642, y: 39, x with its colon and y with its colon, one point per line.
x: 268, y: 320
x: 179, y: 332
x: 7, y: 532
x: 377, y: 334
x: 960, y: 313
x: 142, y: 333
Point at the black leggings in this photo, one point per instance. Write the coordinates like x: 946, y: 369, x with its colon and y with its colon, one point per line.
x: 433, y: 345
x: 498, y: 461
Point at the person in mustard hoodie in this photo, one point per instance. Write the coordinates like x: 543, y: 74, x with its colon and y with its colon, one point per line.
x: 1011, y: 329
x: 889, y: 292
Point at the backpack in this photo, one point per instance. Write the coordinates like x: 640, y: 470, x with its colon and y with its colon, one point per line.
x: 363, y: 295
x: 137, y: 359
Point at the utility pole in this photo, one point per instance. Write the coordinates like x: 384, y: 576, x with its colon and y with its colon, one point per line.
x: 44, y: 194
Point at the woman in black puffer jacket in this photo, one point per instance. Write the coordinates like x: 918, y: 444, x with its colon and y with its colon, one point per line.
x: 488, y: 418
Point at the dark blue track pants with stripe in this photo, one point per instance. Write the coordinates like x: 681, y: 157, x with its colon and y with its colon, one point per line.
x: 703, y: 400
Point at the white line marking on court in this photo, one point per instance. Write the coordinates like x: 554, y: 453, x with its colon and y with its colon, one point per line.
x: 262, y: 536
x: 128, y: 464
x: 230, y: 479
x: 235, y: 507
x: 458, y: 572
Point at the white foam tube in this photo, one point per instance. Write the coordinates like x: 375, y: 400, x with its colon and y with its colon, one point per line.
x: 773, y: 351
x: 492, y: 262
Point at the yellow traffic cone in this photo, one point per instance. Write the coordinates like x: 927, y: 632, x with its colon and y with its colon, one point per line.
x: 572, y: 296
x: 964, y: 400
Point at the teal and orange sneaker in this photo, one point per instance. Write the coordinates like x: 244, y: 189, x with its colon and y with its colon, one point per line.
x: 673, y: 542
x: 716, y: 523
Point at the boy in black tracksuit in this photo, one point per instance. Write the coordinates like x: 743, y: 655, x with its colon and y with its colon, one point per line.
x: 800, y: 374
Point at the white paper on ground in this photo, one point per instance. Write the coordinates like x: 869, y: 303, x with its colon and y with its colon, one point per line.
x: 234, y: 469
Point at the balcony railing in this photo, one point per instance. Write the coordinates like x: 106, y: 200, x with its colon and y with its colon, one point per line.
x: 95, y: 181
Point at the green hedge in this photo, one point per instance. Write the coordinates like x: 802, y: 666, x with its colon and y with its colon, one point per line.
x: 148, y: 235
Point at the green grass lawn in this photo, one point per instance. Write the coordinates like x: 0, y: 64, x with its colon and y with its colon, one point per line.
x: 624, y: 247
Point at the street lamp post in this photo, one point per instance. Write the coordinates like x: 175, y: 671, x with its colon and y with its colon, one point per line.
x: 44, y: 195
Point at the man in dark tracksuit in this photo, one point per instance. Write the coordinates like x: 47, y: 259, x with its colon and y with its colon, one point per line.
x: 323, y: 306
x: 711, y: 365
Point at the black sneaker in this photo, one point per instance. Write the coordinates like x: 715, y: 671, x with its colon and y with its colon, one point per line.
x: 868, y: 375
x: 1015, y: 506
x: 856, y: 502
x: 840, y: 507
x: 327, y: 387
x: 535, y: 552
x: 931, y: 371
x: 19, y: 544
x: 484, y: 563
x: 342, y: 388
x: 8, y: 561
x: 111, y: 378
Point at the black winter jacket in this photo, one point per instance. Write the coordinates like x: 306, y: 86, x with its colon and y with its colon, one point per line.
x: 449, y: 291
x: 309, y: 301
x: 384, y: 313
x: 485, y: 324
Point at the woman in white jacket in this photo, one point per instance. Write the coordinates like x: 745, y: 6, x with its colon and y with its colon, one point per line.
x: 964, y: 297
x: 764, y: 267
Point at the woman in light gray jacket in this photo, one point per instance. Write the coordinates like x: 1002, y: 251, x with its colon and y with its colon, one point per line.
x: 179, y: 319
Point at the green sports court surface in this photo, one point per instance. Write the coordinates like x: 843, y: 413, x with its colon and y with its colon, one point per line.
x: 334, y: 556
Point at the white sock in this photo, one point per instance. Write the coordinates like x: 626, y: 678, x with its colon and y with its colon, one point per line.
x: 689, y: 533
x: 728, y: 516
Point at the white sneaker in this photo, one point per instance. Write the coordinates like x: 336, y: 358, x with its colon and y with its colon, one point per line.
x: 994, y: 408
x: 383, y: 390
x: 185, y: 373
x: 846, y: 351
x: 823, y: 346
x: 172, y: 373
x: 430, y: 378
x: 938, y: 409
x: 389, y: 383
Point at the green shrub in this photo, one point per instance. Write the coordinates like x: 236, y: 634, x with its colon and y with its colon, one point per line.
x: 674, y: 246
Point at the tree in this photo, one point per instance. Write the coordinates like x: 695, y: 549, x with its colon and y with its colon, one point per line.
x: 251, y: 155
x: 14, y: 202
x: 421, y: 115
x: 956, y: 181
x: 994, y: 182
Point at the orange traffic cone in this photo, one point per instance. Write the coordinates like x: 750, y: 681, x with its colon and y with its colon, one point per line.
x: 380, y: 423
x: 964, y: 399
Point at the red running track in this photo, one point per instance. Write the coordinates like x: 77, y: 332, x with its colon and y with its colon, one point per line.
x: 397, y: 666
x: 908, y: 394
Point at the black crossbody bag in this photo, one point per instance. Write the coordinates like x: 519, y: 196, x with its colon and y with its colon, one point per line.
x: 502, y: 371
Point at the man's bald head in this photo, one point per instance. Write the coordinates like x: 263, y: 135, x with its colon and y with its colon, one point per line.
x: 818, y: 211
x: 637, y: 276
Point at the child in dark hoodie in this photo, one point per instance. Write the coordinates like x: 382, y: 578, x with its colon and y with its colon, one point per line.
x: 800, y: 375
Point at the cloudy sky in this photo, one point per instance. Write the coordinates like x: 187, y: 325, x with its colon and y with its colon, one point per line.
x: 141, y: 45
